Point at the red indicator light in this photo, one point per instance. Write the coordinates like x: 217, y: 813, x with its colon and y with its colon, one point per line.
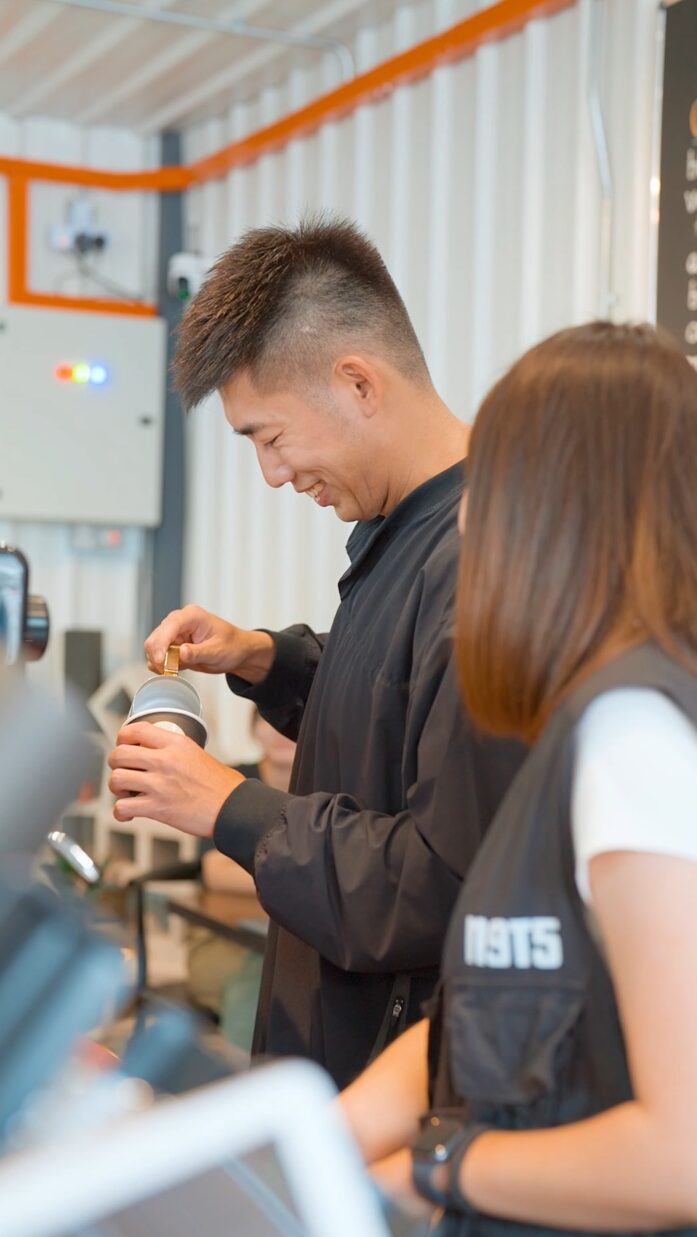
x: 63, y: 372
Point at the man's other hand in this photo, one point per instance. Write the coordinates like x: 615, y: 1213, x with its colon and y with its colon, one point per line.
x: 168, y: 777
x: 210, y: 644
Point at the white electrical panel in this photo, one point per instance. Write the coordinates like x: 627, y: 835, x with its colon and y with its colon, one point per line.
x: 82, y: 400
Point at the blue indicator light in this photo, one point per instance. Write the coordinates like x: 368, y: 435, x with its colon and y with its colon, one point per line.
x: 98, y: 375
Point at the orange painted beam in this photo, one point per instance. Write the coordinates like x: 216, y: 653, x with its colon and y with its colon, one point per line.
x: 495, y: 22
x: 17, y: 210
x: 157, y: 179
x: 90, y: 304
x: 18, y: 293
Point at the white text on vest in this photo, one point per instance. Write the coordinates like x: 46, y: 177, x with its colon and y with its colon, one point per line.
x: 524, y: 943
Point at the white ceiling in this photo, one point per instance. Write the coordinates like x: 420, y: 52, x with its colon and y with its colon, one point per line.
x: 94, y: 67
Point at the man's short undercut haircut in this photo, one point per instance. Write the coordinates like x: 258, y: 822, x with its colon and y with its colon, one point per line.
x: 283, y: 303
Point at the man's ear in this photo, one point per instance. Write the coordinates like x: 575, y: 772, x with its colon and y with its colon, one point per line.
x: 360, y: 381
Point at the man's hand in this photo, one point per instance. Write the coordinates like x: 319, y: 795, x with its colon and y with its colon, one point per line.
x: 168, y: 777
x: 211, y: 645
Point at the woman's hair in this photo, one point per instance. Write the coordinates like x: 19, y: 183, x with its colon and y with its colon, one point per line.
x: 581, y: 531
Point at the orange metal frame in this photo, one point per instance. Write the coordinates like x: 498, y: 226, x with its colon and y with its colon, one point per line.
x: 493, y: 23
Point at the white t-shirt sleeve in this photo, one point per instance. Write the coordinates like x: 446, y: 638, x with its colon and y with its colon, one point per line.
x: 635, y: 779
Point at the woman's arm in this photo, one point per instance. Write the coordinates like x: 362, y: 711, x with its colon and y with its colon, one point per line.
x: 634, y: 1166
x: 384, y: 1104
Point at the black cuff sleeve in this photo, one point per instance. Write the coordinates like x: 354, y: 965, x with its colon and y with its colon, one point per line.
x: 281, y: 696
x: 245, y: 818
x: 290, y: 664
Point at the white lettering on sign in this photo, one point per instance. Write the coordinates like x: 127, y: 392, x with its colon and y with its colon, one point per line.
x: 691, y: 332
x: 691, y: 165
x: 692, y: 295
x: 691, y: 263
x: 531, y: 942
x: 690, y: 196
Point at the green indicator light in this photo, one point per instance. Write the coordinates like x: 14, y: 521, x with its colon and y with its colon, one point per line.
x: 81, y: 373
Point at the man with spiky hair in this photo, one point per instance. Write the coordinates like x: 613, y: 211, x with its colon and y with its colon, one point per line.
x: 305, y: 336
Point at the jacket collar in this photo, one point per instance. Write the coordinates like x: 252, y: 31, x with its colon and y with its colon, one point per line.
x: 442, y: 489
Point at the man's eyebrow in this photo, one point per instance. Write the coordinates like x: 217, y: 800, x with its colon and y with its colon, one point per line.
x: 249, y: 430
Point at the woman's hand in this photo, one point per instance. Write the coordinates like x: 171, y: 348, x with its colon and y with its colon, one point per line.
x: 393, y: 1178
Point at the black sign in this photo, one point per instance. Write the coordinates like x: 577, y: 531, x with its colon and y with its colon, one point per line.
x: 676, y: 307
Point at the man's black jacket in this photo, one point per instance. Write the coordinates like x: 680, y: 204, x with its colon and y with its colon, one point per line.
x: 360, y: 863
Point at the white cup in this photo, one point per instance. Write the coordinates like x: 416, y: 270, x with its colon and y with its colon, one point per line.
x: 171, y: 703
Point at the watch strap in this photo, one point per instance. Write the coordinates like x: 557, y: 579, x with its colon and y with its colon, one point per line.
x: 455, y: 1198
x: 422, y: 1170
x: 424, y: 1166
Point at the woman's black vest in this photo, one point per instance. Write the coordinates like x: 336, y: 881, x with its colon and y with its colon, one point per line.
x: 528, y: 1034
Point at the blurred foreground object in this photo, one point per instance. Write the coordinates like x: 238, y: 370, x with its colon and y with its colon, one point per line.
x: 43, y: 757
x: 60, y: 972
x: 175, y: 1163
x: 58, y: 976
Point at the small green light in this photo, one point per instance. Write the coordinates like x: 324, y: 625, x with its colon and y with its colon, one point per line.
x: 81, y: 373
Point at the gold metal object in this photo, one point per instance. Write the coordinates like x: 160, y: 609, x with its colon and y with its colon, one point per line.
x: 171, y: 665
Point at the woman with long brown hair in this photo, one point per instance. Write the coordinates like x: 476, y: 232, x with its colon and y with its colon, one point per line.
x: 560, y: 1091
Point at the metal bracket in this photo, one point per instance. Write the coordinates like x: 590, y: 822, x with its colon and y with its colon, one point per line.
x: 290, y: 38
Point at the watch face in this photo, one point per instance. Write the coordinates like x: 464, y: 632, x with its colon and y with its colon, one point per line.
x: 440, y: 1136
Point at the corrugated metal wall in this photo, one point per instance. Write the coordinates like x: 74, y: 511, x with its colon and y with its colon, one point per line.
x: 84, y: 588
x: 480, y: 186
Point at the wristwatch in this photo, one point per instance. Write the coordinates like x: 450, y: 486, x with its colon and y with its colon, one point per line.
x: 443, y: 1140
